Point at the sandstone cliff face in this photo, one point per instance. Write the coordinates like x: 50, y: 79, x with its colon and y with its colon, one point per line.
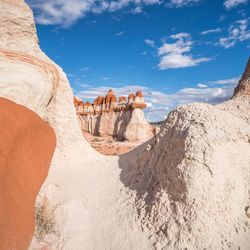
x: 188, y: 187
x: 22, y: 37
x: 30, y: 78
x: 27, y: 145
x: 123, y: 120
x: 20, y: 58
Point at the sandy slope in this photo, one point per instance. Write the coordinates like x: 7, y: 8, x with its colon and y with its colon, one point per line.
x: 92, y: 214
x: 191, y: 183
x: 109, y: 146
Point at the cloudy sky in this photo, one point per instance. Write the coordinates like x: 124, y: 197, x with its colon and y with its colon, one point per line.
x: 175, y: 51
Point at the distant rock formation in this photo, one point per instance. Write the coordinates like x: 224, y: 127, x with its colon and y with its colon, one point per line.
x: 27, y: 145
x: 122, y: 119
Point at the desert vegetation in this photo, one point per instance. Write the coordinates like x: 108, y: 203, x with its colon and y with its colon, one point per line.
x: 45, y: 214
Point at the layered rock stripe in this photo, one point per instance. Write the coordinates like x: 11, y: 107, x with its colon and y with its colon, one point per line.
x: 47, y: 68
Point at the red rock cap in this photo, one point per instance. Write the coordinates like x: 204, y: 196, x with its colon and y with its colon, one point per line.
x: 109, y: 96
x: 88, y: 104
x: 95, y: 102
x: 131, y: 96
x: 77, y: 102
x: 122, y: 99
x: 139, y: 93
x: 100, y: 100
x: 113, y: 98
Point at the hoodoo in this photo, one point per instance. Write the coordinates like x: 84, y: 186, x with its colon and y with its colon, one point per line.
x: 122, y: 120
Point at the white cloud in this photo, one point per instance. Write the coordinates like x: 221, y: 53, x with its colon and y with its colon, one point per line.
x: 85, y: 69
x: 175, y: 61
x: 222, y: 18
x: 237, y: 32
x: 67, y: 12
x: 201, y: 85
x: 137, y: 10
x: 119, y: 33
x: 233, y: 3
x: 230, y: 81
x: 105, y: 78
x: 84, y: 85
x: 149, y: 42
x: 205, y: 32
x: 149, y: 104
x: 180, y: 35
x: 174, y: 55
x: 182, y: 3
x: 159, y: 103
x: 63, y: 12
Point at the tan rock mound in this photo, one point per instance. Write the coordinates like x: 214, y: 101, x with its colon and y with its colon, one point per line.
x: 27, y: 145
x: 192, y: 181
x: 138, y: 129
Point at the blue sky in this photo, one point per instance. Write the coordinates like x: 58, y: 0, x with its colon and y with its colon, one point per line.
x: 175, y: 51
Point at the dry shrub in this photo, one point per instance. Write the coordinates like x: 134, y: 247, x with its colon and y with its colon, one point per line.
x: 45, y: 219
x: 96, y: 139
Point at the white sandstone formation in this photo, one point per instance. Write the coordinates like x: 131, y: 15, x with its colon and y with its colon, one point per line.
x: 187, y: 188
x: 138, y: 129
x: 122, y: 120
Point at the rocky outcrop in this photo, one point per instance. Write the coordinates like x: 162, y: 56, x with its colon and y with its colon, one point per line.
x: 192, y: 181
x: 138, y: 129
x: 27, y: 145
x: 28, y: 77
x: 20, y: 58
x: 109, y: 103
x: 22, y: 37
x: 243, y: 88
x: 122, y: 119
